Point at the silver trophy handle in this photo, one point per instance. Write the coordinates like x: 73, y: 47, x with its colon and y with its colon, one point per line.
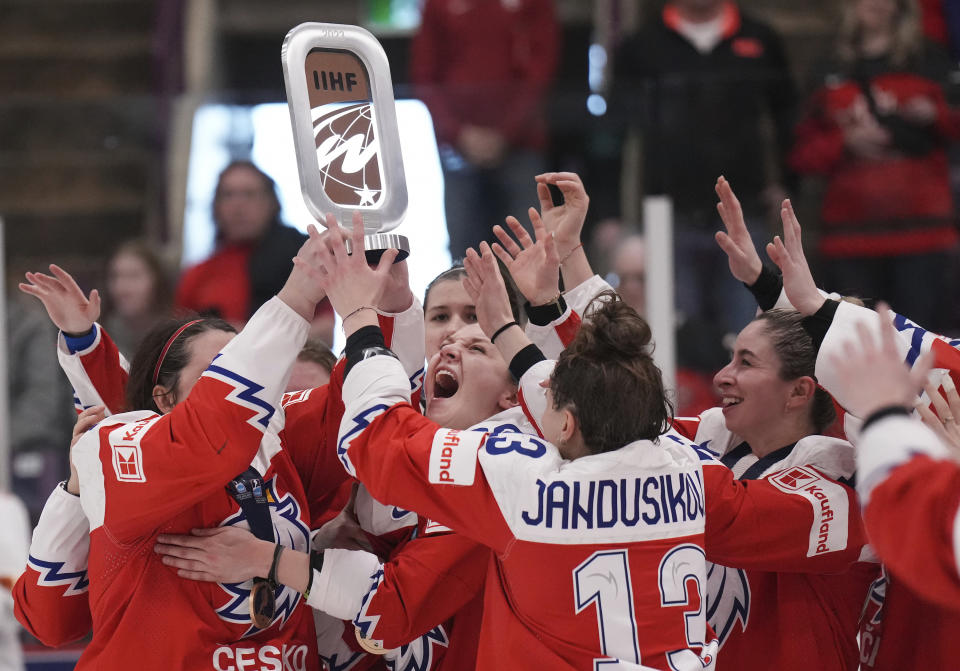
x: 376, y: 244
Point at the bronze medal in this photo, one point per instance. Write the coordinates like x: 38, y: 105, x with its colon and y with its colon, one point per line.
x: 263, y: 604
x: 370, y: 645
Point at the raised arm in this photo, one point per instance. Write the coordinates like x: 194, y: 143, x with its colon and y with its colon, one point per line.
x: 142, y: 468
x: 908, y: 482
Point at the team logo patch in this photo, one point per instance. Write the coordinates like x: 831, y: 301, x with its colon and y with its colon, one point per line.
x: 128, y: 463
x: 453, y: 457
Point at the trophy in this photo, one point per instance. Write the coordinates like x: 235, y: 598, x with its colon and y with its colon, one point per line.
x: 344, y: 120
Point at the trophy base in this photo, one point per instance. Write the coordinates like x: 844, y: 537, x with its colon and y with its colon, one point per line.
x: 377, y: 243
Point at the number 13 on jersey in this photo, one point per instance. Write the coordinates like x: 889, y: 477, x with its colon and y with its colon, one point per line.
x: 603, y: 580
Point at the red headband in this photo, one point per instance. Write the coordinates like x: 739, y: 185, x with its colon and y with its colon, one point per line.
x: 163, y: 352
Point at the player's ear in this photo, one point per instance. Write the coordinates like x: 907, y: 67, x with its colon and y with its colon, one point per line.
x: 508, y: 399
x: 569, y: 426
x: 801, y: 391
x: 164, y: 398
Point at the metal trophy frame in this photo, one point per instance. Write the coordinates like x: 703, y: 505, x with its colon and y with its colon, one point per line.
x: 341, y: 42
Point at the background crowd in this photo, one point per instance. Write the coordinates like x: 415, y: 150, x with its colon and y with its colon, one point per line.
x: 861, y: 135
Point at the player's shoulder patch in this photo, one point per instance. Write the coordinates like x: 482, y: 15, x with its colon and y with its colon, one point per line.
x: 828, y: 501
x: 126, y: 455
x: 293, y: 397
x: 453, y: 456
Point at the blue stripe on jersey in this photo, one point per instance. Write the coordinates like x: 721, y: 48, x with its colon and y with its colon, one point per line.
x: 50, y: 572
x: 247, y: 391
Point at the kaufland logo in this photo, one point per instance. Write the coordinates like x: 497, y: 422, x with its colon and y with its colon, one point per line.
x: 796, y: 479
x: 127, y: 463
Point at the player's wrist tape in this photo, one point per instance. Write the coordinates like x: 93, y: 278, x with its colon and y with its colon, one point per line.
x: 77, y: 342
x: 524, y: 360
x: 500, y: 330
x: 886, y: 411
x: 272, y: 575
x: 360, y: 340
x: 316, y: 565
x: 766, y: 290
x: 542, y: 315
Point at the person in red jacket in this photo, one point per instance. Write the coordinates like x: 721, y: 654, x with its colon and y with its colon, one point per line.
x: 876, y: 129
x: 252, y: 255
x: 483, y: 67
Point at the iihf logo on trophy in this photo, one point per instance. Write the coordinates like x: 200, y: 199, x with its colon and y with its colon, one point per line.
x: 345, y: 130
x: 348, y: 154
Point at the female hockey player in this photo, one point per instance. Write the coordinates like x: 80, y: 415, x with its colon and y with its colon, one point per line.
x: 908, y: 615
x: 198, y: 446
x: 573, y: 510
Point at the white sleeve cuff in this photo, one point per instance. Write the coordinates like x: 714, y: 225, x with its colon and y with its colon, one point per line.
x: 891, y: 442
x: 340, y: 586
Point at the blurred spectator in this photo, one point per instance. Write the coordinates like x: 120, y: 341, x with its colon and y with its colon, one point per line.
x: 254, y: 249
x: 698, y: 81
x: 483, y: 67
x: 41, y: 409
x: 313, y: 366
x: 14, y: 544
x: 700, y: 350
x: 877, y: 129
x: 138, y: 294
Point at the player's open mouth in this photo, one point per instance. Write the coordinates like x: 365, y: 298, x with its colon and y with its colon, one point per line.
x: 445, y: 384
x: 731, y: 400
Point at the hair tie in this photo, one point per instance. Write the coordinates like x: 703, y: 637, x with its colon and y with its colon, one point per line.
x: 166, y: 348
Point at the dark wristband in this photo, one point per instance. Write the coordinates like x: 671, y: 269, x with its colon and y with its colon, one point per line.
x: 272, y: 575
x: 524, y: 360
x: 542, y: 315
x: 316, y: 565
x: 877, y: 415
x: 817, y: 324
x: 360, y: 340
x: 500, y: 330
x: 766, y: 290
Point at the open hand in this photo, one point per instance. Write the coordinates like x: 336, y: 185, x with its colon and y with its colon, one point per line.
x: 534, y: 266
x: 349, y: 282
x: 565, y: 221
x: 69, y: 309
x: 221, y: 554
x: 946, y: 422
x: 745, y: 263
x: 789, y: 257
x: 487, y: 290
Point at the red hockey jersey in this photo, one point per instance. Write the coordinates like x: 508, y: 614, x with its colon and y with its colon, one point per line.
x: 750, y: 610
x: 142, y: 474
x: 613, y: 539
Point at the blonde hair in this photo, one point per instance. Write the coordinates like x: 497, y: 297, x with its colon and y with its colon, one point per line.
x: 907, y: 36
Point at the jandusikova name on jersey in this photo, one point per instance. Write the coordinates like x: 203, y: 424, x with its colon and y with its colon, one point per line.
x: 602, y: 504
